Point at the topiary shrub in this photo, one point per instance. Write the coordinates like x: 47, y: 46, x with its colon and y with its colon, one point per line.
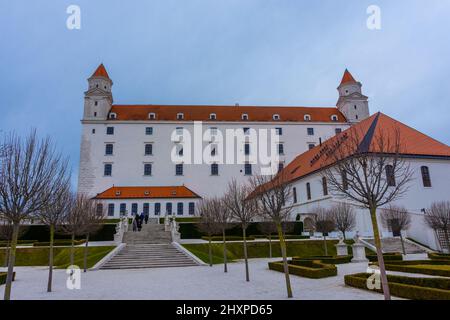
x: 326, y: 259
x: 438, y: 256
x: 313, y: 269
x: 394, y: 256
x: 406, y: 287
x: 59, y: 243
x: 3, y: 276
x: 228, y: 238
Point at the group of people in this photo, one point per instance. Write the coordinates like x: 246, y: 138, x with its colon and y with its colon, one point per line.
x: 138, y: 220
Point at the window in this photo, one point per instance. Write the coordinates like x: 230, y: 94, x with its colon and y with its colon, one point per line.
x: 148, y: 149
x: 214, y: 169
x: 334, y: 117
x: 244, y: 116
x: 111, y: 209
x: 307, y: 117
x: 308, y: 190
x: 112, y: 115
x: 157, y: 208
x: 169, y: 208
x: 278, y: 131
x: 246, y: 131
x: 280, y: 148
x: 191, y: 208
x: 248, y: 169
x: 147, y: 169
x: 344, y: 180
x: 212, y: 116
x: 311, y: 145
x: 109, y: 130
x: 356, y: 117
x: 134, y: 208
x: 96, y: 103
x: 294, y: 194
x: 280, y: 166
x: 180, y: 116
x: 276, y: 117
x: 310, y: 131
x: 95, y: 114
x: 152, y: 116
x: 247, y: 149
x: 390, y: 177
x: 324, y: 186
x: 337, y: 130
x: 99, y: 209
x: 355, y: 106
x: 179, y: 169
x: 109, y: 149
x: 179, y: 131
x: 213, y: 131
x: 123, y: 208
x: 93, y: 131
x: 107, y: 171
x: 146, y: 208
x: 180, y: 208
x: 426, y: 179
x: 149, y: 131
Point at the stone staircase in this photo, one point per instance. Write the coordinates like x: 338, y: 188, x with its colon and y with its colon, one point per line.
x: 149, y: 248
x: 394, y: 245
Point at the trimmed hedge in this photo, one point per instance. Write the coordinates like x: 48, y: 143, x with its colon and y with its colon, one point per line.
x: 438, y: 256
x: 228, y: 238
x: 394, y: 256
x: 326, y: 259
x: 406, y: 287
x: 3, y: 276
x: 59, y: 243
x: 190, y: 230
x: 313, y: 269
x: 418, y: 267
x: 286, y: 237
x: 41, y: 233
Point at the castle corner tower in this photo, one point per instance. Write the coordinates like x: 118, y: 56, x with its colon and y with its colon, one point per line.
x: 352, y: 103
x: 98, y: 98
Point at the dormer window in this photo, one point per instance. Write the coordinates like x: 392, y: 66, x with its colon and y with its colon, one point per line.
x: 118, y: 193
x: 146, y: 193
x: 244, y: 117
x: 212, y: 116
x: 112, y: 115
x: 276, y: 117
x: 152, y: 116
x: 334, y: 117
x: 180, y: 116
x: 307, y: 117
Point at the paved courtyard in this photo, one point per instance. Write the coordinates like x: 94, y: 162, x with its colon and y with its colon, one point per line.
x: 200, y: 282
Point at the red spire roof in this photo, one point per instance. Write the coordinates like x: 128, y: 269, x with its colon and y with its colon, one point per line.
x: 347, y: 77
x: 100, y: 72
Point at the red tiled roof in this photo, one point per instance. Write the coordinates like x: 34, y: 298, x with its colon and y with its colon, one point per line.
x: 147, y: 192
x: 347, y: 77
x: 413, y: 142
x: 100, y: 72
x: 226, y: 113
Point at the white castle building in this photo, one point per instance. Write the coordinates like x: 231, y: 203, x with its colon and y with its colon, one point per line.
x: 126, y: 155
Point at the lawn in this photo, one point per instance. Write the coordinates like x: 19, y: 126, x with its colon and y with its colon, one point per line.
x: 259, y: 249
x: 39, y: 256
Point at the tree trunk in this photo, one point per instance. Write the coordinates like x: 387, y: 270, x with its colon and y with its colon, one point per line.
x: 7, y: 249
x: 343, y: 233
x: 447, y: 241
x: 376, y: 236
x: 210, y: 252
x: 285, y: 264
x: 403, y: 243
x: 270, y: 246
x: 247, y: 276
x: 86, y: 250
x: 224, y: 251
x: 50, y: 259
x: 11, y: 261
x: 72, y: 249
x: 325, y: 244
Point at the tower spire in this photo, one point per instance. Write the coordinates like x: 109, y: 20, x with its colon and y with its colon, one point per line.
x: 100, y: 72
x: 347, y: 77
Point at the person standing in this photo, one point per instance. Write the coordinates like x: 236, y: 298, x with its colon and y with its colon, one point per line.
x: 146, y: 218
x: 134, y: 223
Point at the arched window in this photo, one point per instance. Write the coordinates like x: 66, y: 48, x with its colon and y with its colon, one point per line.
x: 390, y: 177
x: 308, y: 190
x: 307, y: 117
x: 334, y: 117
x: 212, y: 116
x: 276, y: 117
x: 426, y: 176
x: 324, y: 186
x: 244, y: 116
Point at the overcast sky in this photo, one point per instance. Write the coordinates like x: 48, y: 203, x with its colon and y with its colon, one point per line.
x: 258, y: 52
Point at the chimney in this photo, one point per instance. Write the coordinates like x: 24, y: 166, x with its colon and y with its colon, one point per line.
x: 320, y: 141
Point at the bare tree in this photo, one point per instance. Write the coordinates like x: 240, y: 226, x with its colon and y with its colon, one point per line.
x: 30, y: 170
x: 344, y: 217
x: 324, y: 223
x: 53, y: 215
x: 223, y: 221
x: 268, y: 228
x: 438, y: 218
x: 208, y: 223
x: 273, y: 195
x: 6, y: 232
x: 368, y: 169
x: 397, y: 219
x: 243, y: 211
x: 94, y: 215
